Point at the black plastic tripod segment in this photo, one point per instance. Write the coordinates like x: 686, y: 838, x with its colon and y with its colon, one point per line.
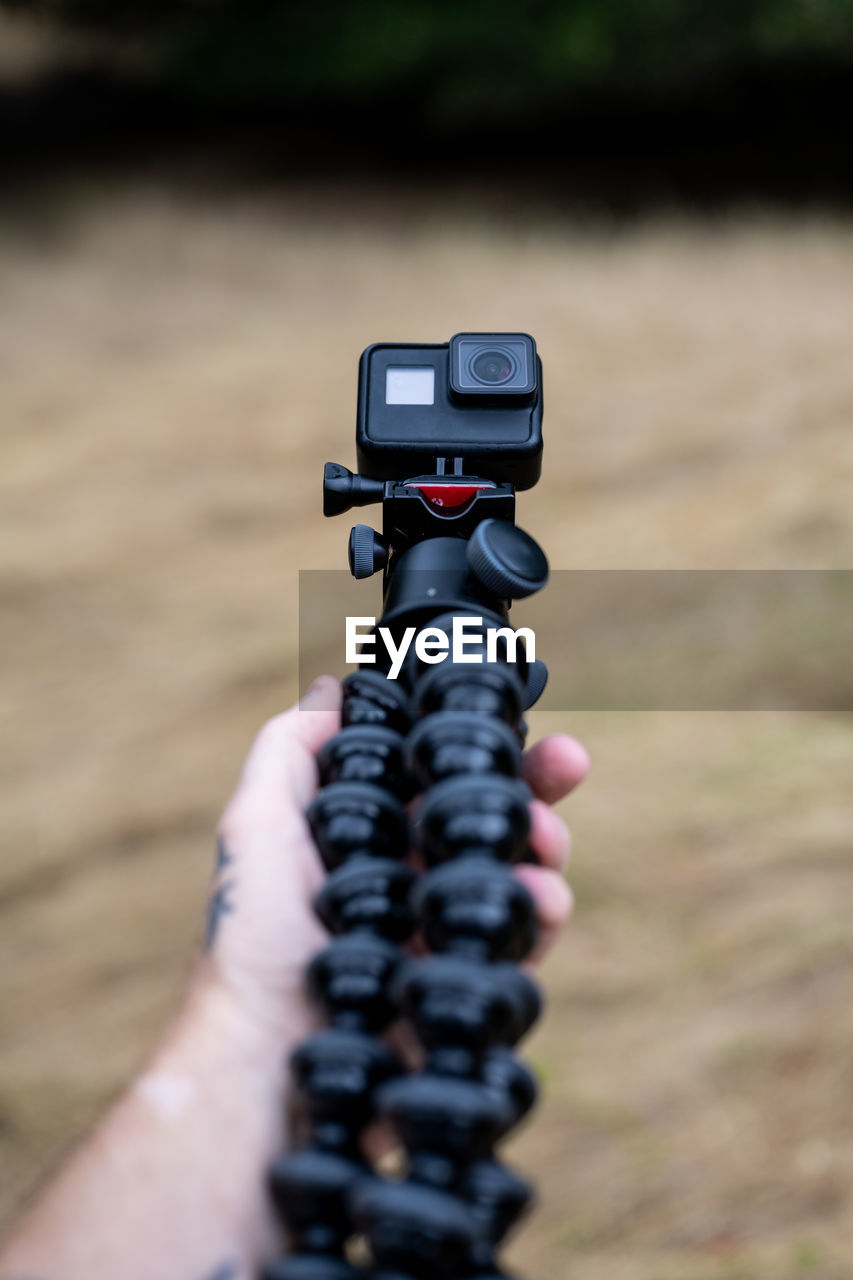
x: 310, y: 1190
x: 366, y: 753
x: 486, y: 691
x: 449, y: 743
x: 311, y: 1266
x: 469, y: 815
x: 351, y: 981
x: 371, y: 894
x: 371, y: 699
x: 414, y: 1229
x: 349, y: 819
x: 444, y: 1123
x: 460, y: 1002
x: 476, y: 907
x: 466, y: 1006
x: 336, y: 1072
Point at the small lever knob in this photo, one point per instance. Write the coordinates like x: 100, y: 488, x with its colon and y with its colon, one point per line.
x: 367, y: 551
x: 342, y: 489
x: 506, y: 560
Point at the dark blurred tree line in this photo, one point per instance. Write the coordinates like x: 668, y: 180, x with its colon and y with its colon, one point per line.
x: 617, y: 104
x: 455, y: 57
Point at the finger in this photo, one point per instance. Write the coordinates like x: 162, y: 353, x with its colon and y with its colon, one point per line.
x: 549, y: 838
x: 554, y: 902
x: 555, y: 766
x: 318, y: 714
x: 281, y: 759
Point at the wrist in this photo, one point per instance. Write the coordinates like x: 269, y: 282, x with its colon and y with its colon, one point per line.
x: 226, y: 1018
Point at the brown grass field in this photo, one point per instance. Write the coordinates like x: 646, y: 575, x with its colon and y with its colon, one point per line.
x: 177, y: 362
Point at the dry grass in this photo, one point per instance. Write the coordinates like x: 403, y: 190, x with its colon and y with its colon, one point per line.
x: 175, y: 369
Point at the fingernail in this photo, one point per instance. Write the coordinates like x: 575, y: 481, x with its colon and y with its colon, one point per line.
x: 317, y: 694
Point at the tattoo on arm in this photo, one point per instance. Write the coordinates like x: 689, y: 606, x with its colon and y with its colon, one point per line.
x: 226, y: 1272
x: 221, y: 903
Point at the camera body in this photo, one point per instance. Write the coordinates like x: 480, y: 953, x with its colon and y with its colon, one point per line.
x: 475, y: 401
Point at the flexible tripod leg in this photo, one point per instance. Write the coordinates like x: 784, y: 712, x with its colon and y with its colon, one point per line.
x: 361, y: 829
x: 467, y: 1003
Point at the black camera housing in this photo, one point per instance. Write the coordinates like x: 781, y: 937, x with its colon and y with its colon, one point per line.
x: 475, y: 402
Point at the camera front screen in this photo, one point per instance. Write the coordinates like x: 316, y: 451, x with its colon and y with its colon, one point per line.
x: 405, y: 384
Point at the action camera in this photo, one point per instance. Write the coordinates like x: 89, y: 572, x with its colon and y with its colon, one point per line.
x: 475, y: 402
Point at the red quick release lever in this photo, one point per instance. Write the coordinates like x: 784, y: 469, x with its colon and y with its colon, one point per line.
x: 450, y: 495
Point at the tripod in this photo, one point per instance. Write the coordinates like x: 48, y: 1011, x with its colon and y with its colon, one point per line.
x: 447, y: 735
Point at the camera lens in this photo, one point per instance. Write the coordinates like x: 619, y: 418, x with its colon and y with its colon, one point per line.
x: 492, y: 367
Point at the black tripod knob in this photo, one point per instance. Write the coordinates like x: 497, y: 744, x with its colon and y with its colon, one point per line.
x: 507, y: 560
x: 367, y: 551
x: 537, y: 678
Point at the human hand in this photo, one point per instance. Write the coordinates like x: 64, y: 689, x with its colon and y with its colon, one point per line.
x: 215, y: 1083
x: 261, y: 926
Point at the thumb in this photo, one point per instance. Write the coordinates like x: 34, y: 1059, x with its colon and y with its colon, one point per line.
x: 282, y: 758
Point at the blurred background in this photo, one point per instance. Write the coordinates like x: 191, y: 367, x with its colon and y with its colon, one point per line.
x: 208, y: 210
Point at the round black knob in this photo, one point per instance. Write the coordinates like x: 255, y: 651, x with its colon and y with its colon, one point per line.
x: 367, y: 551
x: 537, y: 678
x: 507, y: 560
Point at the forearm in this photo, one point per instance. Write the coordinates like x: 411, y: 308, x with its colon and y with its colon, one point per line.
x: 171, y: 1184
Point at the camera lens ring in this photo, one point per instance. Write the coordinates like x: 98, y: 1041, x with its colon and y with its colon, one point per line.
x: 491, y: 366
